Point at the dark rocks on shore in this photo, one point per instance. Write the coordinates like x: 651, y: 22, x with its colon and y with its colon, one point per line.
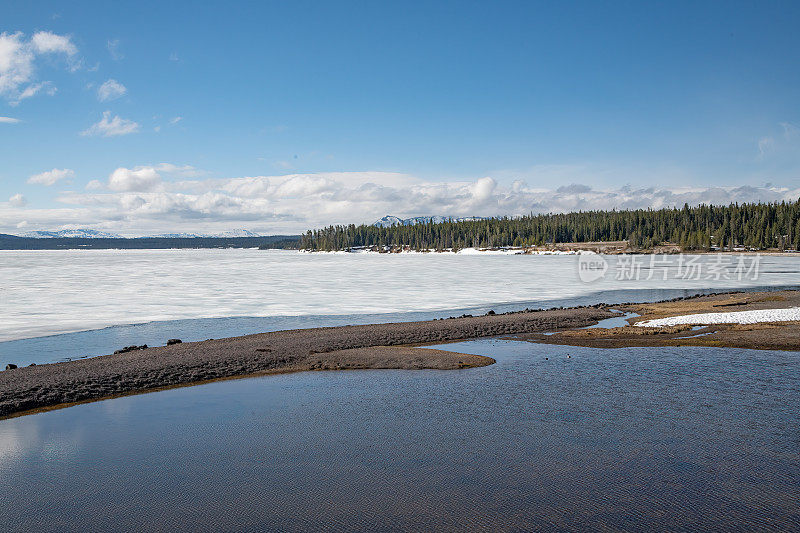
x: 131, y: 349
x: 491, y: 312
x: 11, y: 366
x: 174, y: 341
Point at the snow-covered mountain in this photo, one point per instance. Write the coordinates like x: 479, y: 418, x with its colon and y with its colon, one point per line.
x: 237, y: 233
x: 71, y: 234
x: 390, y: 220
x: 224, y: 235
x: 175, y: 236
x: 94, y: 234
x: 190, y: 235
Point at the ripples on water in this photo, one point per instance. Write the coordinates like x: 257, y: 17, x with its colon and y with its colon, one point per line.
x: 638, y: 438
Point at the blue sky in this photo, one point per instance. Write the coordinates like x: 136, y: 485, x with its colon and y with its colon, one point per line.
x: 279, y: 116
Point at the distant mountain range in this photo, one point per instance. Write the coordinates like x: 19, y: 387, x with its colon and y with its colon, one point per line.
x: 389, y: 220
x: 71, y: 234
x: 94, y: 234
x: 225, y: 235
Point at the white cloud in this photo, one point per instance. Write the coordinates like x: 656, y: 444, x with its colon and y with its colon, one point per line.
x: 17, y: 201
x: 113, y: 49
x: 110, y: 126
x: 138, y: 179
x: 18, y: 58
x: 9, y: 120
x: 303, y: 186
x: 16, y: 62
x: 175, y: 120
x: 781, y: 143
x: 45, y: 42
x: 147, y: 178
x: 111, y: 90
x: 790, y: 131
x: 50, y: 177
x: 482, y: 189
x: 765, y: 145
x: 32, y: 90
x: 183, y: 171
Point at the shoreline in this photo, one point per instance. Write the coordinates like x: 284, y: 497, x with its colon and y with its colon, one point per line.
x: 398, y: 345
x: 447, y: 360
x: 375, y: 346
x: 768, y: 335
x: 589, y: 248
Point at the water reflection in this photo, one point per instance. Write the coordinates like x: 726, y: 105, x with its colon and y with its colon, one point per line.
x: 636, y: 438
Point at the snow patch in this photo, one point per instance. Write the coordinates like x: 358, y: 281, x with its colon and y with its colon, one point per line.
x: 734, y: 317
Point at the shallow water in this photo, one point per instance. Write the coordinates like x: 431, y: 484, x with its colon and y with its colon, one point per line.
x: 697, y: 335
x: 637, y: 439
x: 614, y: 322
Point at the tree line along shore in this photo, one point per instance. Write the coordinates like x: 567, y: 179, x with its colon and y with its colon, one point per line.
x: 757, y: 226
x: 735, y: 227
x: 14, y: 242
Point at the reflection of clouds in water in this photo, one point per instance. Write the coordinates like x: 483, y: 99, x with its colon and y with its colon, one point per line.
x: 17, y: 437
x: 61, y: 448
x: 116, y: 407
x: 22, y: 437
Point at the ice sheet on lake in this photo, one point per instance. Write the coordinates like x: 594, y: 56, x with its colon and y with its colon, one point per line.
x: 58, y: 291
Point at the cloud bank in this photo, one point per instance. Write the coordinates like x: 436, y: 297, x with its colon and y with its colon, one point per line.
x: 167, y: 198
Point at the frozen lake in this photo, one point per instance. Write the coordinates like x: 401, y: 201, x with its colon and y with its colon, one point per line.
x: 51, y: 292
